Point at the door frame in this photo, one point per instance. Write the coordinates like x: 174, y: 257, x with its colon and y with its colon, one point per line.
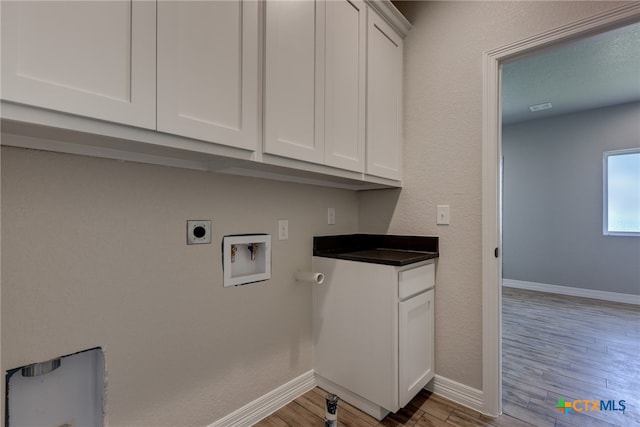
x: 492, y: 185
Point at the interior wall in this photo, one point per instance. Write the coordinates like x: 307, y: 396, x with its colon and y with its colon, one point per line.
x: 443, y: 83
x: 94, y: 254
x: 100, y: 243
x: 553, y: 201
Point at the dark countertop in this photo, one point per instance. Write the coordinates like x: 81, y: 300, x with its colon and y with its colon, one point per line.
x: 377, y: 248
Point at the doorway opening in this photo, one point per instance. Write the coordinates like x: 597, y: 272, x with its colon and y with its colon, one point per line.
x: 492, y: 184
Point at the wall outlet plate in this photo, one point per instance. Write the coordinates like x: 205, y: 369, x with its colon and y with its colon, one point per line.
x: 283, y: 229
x: 198, y: 232
x: 331, y: 216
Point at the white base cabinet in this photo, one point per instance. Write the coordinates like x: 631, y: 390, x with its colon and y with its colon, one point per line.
x: 373, y: 332
x: 415, y: 345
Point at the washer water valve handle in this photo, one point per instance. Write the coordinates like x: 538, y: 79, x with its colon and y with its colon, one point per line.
x: 253, y: 248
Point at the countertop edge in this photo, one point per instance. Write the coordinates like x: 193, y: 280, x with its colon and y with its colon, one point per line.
x: 346, y: 257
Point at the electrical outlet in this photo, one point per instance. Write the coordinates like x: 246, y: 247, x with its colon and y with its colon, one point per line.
x: 283, y: 229
x: 331, y: 216
x: 198, y: 232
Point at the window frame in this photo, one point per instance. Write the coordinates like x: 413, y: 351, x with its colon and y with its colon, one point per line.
x: 605, y: 192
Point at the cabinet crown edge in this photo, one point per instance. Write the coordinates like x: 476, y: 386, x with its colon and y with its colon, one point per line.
x: 392, y: 15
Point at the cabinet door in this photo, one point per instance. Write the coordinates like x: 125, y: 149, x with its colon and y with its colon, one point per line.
x: 355, y: 322
x: 416, y: 345
x: 384, y: 100
x: 294, y: 80
x: 208, y: 71
x: 345, y: 85
x: 90, y: 58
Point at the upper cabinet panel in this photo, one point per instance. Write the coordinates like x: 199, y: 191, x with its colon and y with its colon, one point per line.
x: 293, y: 80
x: 345, y: 62
x: 94, y: 59
x: 384, y: 100
x: 308, y: 87
x: 208, y: 71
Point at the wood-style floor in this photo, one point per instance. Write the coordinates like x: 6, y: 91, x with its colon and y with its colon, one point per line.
x: 553, y: 346
x: 556, y: 346
x: 425, y: 410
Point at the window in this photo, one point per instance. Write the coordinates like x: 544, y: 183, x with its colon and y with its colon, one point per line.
x: 622, y: 192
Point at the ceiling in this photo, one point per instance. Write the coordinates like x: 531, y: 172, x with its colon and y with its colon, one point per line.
x: 598, y: 71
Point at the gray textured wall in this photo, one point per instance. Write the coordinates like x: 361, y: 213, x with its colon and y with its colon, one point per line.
x: 94, y: 254
x: 443, y: 103
x: 552, y: 224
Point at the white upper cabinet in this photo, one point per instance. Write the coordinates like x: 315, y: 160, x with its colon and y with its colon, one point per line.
x: 309, y: 88
x: 333, y: 86
x: 208, y: 71
x: 384, y: 100
x: 345, y: 84
x: 315, y: 81
x: 94, y: 59
x: 293, y: 79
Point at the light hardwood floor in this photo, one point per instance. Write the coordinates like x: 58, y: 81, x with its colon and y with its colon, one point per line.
x: 553, y: 346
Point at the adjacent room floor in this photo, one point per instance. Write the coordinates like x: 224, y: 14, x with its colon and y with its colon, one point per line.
x: 569, y: 348
x: 553, y: 347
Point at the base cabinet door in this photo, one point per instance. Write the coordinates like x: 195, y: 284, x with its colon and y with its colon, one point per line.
x: 416, y: 325
x: 208, y: 71
x: 93, y: 59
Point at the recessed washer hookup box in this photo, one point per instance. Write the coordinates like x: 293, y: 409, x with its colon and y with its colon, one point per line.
x: 246, y: 259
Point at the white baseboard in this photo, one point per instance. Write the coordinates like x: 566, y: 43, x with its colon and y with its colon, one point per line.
x: 456, y: 392
x: 571, y: 291
x: 265, y: 405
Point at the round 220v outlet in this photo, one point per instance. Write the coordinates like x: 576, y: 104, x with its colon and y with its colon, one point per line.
x: 198, y: 232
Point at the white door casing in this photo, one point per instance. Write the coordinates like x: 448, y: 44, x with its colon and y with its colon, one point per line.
x: 491, y: 185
